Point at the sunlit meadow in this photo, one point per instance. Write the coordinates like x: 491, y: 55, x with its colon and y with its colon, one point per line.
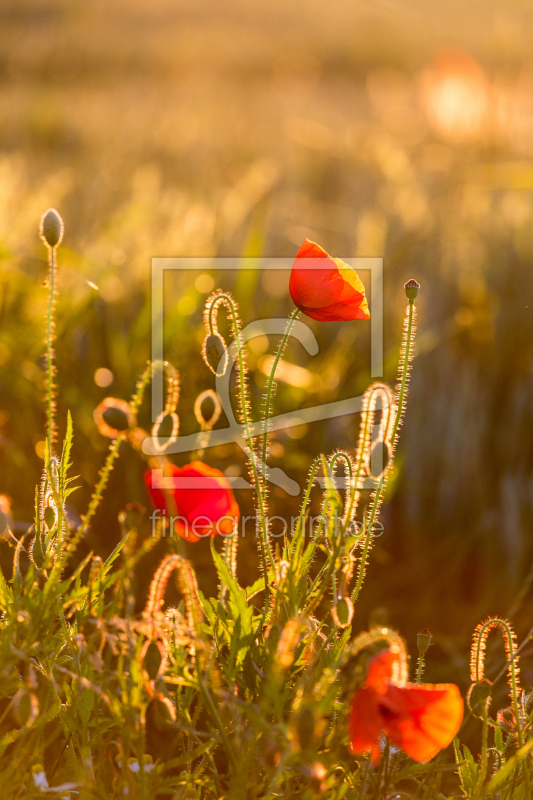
x: 387, y: 130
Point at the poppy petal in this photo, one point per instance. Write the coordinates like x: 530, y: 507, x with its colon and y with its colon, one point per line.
x: 381, y: 670
x: 423, y: 719
x: 325, y: 288
x: 366, y: 723
x: 203, y: 500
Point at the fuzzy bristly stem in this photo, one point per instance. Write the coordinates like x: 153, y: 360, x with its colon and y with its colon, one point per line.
x: 370, y: 519
x: 264, y: 541
x: 136, y: 401
x: 50, y: 326
x: 270, y: 388
x: 483, y: 760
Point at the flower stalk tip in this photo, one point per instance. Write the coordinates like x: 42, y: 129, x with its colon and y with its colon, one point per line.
x: 51, y: 228
x: 411, y: 290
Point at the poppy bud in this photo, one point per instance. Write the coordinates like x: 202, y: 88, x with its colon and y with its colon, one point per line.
x: 215, y: 354
x: 51, y: 228
x: 37, y: 551
x: 166, y: 426
x: 479, y: 697
x: 113, y: 416
x: 411, y: 289
x: 423, y: 641
x: 152, y: 660
x: 207, y: 409
x: 116, y: 418
x: 50, y: 515
x: 305, y: 727
x: 342, y: 612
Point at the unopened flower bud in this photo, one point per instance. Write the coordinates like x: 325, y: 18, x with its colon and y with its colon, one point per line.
x: 479, y: 697
x: 411, y: 289
x: 342, y: 612
x: 50, y: 515
x: 215, y: 354
x: 51, y: 228
x: 423, y: 641
x: 113, y: 416
x: 152, y: 660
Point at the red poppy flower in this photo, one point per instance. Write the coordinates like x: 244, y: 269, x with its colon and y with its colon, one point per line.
x: 325, y: 288
x: 197, y: 496
x: 419, y: 718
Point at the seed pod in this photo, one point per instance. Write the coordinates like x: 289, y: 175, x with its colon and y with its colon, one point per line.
x: 215, y: 354
x: 342, y: 612
x: 411, y: 289
x: 479, y: 697
x: 423, y: 641
x: 152, y: 660
x: 51, y: 228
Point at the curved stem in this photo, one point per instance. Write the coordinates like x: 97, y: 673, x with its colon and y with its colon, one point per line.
x: 136, y: 401
x: 270, y: 386
x: 369, y: 521
x: 264, y: 541
x: 478, y: 664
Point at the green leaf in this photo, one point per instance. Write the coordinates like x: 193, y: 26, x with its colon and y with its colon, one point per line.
x: 508, y: 768
x: 6, y: 593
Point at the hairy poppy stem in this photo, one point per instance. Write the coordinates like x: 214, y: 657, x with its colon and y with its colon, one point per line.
x: 402, y: 391
x: 50, y: 326
x: 477, y: 663
x: 211, y: 307
x: 136, y: 401
x: 271, y: 388
x: 483, y: 756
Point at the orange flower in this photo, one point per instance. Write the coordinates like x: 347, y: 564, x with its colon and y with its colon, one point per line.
x: 197, y: 496
x: 325, y: 288
x: 420, y: 718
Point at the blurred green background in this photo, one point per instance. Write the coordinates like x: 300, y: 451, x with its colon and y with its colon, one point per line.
x: 387, y: 128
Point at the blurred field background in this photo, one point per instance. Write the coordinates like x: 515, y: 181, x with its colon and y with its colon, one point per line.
x: 394, y: 129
